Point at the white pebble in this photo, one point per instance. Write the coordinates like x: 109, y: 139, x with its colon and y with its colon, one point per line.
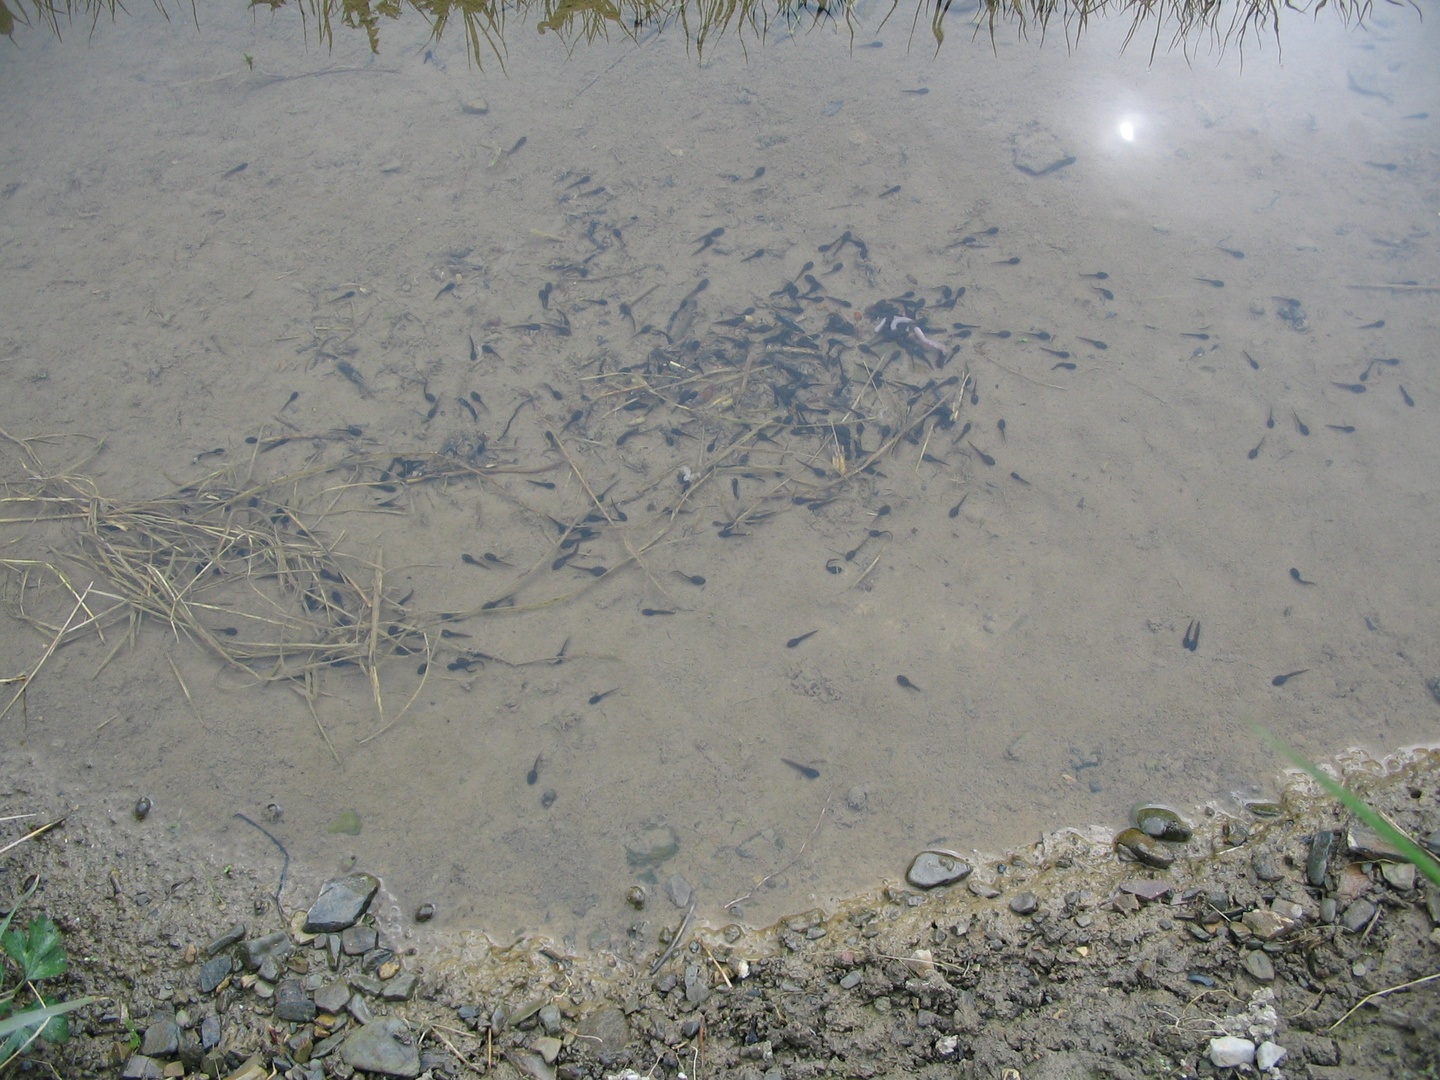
x: 1268, y: 1055
x: 1228, y: 1051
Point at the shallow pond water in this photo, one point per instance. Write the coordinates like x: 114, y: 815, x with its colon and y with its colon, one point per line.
x: 193, y: 247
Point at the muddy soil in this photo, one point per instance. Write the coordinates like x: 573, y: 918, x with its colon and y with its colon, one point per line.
x: 1120, y: 970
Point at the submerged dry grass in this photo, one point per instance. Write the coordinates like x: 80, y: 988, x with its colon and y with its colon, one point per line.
x: 247, y: 567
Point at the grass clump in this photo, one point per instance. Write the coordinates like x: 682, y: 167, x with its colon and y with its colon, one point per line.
x: 36, y: 953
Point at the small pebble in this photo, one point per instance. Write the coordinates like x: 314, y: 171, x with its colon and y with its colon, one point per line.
x: 1268, y: 1055
x: 1357, y: 915
x: 425, y: 912
x: 1399, y: 876
x: 1266, y: 868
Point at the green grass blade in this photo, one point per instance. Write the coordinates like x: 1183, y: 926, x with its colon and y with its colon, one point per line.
x: 1423, y: 861
x: 32, y: 1018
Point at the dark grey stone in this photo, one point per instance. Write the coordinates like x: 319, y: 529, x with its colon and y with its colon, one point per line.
x: 210, y: 1032
x: 366, y: 984
x: 292, y: 1003
x: 256, y: 950
x: 213, y: 972
x: 358, y: 940
x: 1357, y: 915
x: 225, y: 940
x: 851, y: 980
x: 1318, y: 861
x: 162, y: 1039
x: 1024, y: 904
x: 340, y: 903
x: 333, y: 997
x: 384, y: 1046
x: 678, y: 889
x: 930, y: 869
x: 697, y: 987
x: 400, y: 988
x: 359, y: 1008
x: 1365, y: 843
x: 270, y: 969
x: 1266, y: 868
x: 327, y: 1045
x: 1398, y: 875
x: 550, y: 1019
x: 140, y: 1067
x: 191, y: 1052
x: 1259, y: 966
x: 530, y: 1064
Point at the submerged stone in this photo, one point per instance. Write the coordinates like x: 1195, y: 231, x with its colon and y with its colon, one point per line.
x: 348, y: 824
x: 651, y: 845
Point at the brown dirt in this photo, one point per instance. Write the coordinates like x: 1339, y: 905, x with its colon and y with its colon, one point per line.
x: 1095, y: 983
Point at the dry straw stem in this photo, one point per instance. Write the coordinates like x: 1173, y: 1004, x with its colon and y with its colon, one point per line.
x: 1381, y: 993
x: 234, y: 568
x: 33, y: 833
x: 28, y: 679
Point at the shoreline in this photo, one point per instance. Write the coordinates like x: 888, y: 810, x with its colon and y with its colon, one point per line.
x: 895, y: 981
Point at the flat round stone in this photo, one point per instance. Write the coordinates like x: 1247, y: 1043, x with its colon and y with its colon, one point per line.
x: 931, y: 869
x: 651, y: 845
